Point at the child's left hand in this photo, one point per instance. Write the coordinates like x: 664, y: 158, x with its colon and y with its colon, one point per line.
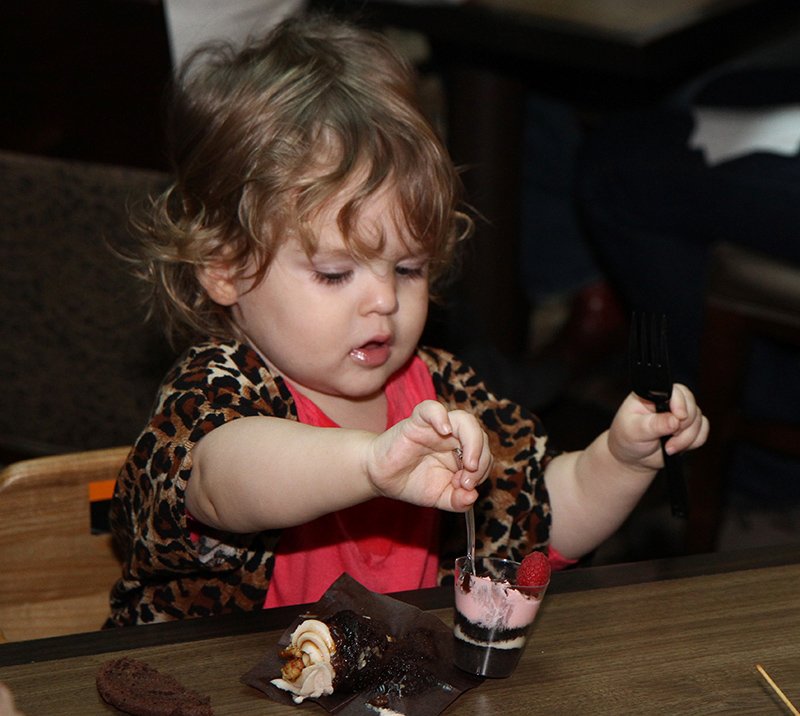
x: 634, y: 437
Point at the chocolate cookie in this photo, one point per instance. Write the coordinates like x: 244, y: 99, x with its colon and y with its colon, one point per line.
x: 138, y: 689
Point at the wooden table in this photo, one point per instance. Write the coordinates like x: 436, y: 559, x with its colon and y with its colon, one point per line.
x: 596, y: 55
x: 671, y: 636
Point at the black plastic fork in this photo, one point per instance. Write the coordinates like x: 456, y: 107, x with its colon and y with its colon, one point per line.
x: 651, y: 380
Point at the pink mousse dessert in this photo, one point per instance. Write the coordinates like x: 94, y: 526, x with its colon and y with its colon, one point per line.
x: 492, y: 616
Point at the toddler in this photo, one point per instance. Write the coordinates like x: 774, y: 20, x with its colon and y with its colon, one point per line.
x: 305, y: 433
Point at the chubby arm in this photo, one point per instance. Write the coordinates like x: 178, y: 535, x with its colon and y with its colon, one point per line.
x: 260, y: 473
x: 594, y: 490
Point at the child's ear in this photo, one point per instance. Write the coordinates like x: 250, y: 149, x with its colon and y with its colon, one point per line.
x: 220, y: 282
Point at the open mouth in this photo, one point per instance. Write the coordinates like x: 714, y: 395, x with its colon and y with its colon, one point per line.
x: 372, y: 353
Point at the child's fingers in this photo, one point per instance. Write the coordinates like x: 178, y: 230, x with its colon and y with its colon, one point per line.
x: 682, y: 401
x: 476, y: 470
x: 461, y: 500
x: 469, y: 456
x: 471, y: 438
x: 693, y: 427
x: 662, y: 424
x: 435, y: 415
x: 454, y: 431
x: 690, y: 436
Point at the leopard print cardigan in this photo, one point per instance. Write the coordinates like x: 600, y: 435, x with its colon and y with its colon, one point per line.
x: 169, y: 575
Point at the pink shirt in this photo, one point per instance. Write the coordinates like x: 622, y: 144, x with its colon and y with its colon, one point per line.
x: 386, y: 545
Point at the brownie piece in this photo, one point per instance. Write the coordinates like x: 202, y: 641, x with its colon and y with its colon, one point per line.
x: 138, y: 689
x: 360, y: 645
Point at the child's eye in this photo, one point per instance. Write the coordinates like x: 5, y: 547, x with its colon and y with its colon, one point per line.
x: 332, y: 278
x: 412, y: 271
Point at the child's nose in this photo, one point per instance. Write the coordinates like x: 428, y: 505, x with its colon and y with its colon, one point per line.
x: 381, y: 294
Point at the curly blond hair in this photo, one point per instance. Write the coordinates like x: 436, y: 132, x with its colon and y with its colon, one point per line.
x: 264, y: 137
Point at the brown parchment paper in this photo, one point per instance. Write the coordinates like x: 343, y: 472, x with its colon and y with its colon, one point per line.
x: 400, y: 618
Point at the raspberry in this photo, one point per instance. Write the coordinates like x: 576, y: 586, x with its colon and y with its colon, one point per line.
x: 534, y: 570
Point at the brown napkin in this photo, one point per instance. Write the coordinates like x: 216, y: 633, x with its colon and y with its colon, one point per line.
x: 400, y: 618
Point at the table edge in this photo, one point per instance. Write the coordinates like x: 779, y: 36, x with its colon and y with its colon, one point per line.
x: 575, y: 580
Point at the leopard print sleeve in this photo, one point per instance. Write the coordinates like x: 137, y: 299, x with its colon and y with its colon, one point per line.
x: 512, y: 514
x: 170, y: 569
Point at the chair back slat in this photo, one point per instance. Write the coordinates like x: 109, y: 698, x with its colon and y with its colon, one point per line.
x: 55, y: 574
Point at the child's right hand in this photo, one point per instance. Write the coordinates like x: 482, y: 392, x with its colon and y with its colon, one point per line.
x: 416, y: 460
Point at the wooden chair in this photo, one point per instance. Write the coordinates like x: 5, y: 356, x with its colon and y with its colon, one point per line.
x: 749, y: 296
x: 55, y: 574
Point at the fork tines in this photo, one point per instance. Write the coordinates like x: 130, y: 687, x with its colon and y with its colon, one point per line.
x: 649, y: 359
x: 651, y: 380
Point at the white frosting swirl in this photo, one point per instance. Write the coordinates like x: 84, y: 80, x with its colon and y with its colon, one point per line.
x: 310, y: 673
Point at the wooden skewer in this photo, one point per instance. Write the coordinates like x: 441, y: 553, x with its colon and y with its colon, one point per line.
x: 777, y: 690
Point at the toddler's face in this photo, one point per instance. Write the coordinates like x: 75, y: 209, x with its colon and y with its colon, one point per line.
x: 335, y: 325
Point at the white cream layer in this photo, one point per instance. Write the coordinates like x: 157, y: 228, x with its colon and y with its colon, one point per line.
x: 517, y: 643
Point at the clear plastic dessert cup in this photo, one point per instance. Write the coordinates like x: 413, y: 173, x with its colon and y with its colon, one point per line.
x: 493, y: 615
